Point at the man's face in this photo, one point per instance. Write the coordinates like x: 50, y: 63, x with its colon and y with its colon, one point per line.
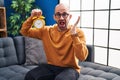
x: 62, y: 17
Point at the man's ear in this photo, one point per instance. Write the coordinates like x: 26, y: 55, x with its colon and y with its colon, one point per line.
x: 70, y: 16
x: 54, y: 17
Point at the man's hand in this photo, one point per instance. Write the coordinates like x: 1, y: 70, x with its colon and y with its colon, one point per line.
x: 36, y: 13
x: 73, y: 28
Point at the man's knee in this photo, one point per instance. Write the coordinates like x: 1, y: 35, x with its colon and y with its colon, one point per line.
x: 39, y: 73
x: 68, y: 74
x: 28, y: 76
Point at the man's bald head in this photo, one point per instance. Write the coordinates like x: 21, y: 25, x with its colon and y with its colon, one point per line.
x: 62, y: 7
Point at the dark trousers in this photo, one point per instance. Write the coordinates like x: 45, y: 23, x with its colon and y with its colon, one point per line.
x: 51, y: 72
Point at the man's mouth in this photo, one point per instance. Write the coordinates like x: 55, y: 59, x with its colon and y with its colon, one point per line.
x: 62, y: 23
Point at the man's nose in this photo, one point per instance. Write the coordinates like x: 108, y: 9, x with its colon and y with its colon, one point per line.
x: 61, y: 17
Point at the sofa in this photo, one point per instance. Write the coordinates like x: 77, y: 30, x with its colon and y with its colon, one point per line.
x: 13, y: 59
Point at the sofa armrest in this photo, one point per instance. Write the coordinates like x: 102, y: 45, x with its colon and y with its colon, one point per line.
x: 91, y: 53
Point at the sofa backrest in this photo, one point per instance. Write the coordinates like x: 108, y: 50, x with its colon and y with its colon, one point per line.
x: 12, y: 51
x: 7, y: 52
x: 19, y: 42
x: 90, y: 53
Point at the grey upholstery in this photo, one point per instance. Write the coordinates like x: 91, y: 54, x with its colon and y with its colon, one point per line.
x: 14, y: 72
x: 12, y: 59
x: 91, y: 53
x: 7, y: 52
x: 94, y: 71
x: 20, y: 48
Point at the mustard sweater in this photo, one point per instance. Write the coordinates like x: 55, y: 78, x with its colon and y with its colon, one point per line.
x: 61, y: 48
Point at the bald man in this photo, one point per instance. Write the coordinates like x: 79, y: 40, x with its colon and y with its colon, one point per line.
x: 64, y: 46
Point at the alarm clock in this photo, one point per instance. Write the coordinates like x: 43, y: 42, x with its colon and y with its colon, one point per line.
x: 38, y: 22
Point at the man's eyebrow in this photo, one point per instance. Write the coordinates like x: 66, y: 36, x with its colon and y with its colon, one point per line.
x: 62, y: 12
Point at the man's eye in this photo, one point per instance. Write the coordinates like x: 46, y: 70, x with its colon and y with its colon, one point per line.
x: 64, y: 14
x: 58, y: 14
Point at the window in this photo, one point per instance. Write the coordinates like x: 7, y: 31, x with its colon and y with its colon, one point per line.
x: 100, y: 21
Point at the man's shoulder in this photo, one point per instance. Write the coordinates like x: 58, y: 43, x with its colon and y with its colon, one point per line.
x: 79, y: 29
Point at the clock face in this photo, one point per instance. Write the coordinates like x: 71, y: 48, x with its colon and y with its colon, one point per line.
x: 38, y: 23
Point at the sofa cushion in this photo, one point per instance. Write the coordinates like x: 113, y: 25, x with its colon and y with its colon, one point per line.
x: 14, y: 72
x: 34, y: 51
x: 94, y: 71
x: 7, y: 52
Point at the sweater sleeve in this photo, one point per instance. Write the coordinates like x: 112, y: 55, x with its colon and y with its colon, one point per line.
x: 27, y: 29
x: 79, y: 45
